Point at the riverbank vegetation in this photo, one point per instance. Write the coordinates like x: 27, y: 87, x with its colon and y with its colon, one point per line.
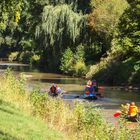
x: 75, y: 121
x: 16, y: 123
x: 94, y: 38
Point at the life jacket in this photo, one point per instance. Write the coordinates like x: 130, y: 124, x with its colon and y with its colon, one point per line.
x: 133, y: 110
x: 88, y: 90
x: 53, y: 89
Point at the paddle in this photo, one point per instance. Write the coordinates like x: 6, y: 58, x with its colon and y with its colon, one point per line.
x: 117, y: 114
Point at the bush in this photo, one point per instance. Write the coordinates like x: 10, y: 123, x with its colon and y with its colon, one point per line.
x: 35, y: 59
x: 13, y: 90
x: 73, y: 63
x: 13, y: 56
x: 79, y: 68
x: 25, y: 57
x: 67, y: 61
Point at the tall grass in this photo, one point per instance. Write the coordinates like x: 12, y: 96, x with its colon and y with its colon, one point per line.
x: 12, y: 89
x: 79, y: 121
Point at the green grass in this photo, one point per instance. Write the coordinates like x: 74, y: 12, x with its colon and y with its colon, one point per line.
x: 15, y: 125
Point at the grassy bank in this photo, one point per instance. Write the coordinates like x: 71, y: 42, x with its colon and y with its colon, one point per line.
x: 16, y: 125
x: 80, y: 121
x: 16, y: 120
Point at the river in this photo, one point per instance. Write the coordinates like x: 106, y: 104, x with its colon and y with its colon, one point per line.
x: 113, y: 96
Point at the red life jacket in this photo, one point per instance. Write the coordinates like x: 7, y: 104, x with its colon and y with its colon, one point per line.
x: 53, y: 89
x: 87, y: 90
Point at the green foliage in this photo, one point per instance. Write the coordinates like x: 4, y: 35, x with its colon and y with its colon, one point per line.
x: 59, y: 21
x: 67, y: 61
x: 117, y: 68
x: 8, y: 11
x: 106, y: 14
x: 77, y: 5
x: 104, y: 19
x: 80, y: 53
x: 8, y: 40
x: 13, y: 56
x: 35, y: 59
x: 1, y: 40
x: 25, y: 56
x: 74, y: 63
x: 42, y: 30
x: 15, y: 125
x: 17, y: 86
x: 122, y: 62
x: 79, y: 68
x: 26, y: 44
x: 129, y: 28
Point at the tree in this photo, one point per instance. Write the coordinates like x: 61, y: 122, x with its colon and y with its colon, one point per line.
x: 129, y: 28
x: 10, y: 10
x: 104, y: 19
x: 60, y: 28
x: 122, y: 64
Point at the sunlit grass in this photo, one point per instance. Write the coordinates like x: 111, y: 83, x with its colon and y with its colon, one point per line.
x: 14, y: 125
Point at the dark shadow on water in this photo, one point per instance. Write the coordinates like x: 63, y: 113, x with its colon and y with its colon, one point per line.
x: 15, y: 67
x: 61, y: 81
x: 6, y: 136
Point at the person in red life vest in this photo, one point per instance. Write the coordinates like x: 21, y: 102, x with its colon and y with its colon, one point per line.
x: 53, y: 90
x: 89, y: 88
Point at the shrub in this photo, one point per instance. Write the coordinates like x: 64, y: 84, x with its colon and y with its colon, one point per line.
x: 35, y: 59
x: 13, y: 90
x: 25, y: 57
x: 79, y: 68
x: 13, y: 56
x: 67, y: 61
x: 73, y: 63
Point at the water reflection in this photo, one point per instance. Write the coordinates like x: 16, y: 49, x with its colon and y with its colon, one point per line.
x: 62, y: 81
x: 14, y: 66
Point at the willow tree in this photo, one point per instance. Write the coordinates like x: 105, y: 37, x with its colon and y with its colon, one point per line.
x: 59, y: 21
x: 77, y: 5
x: 61, y: 27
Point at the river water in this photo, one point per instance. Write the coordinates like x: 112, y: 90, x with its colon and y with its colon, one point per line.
x: 113, y: 96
